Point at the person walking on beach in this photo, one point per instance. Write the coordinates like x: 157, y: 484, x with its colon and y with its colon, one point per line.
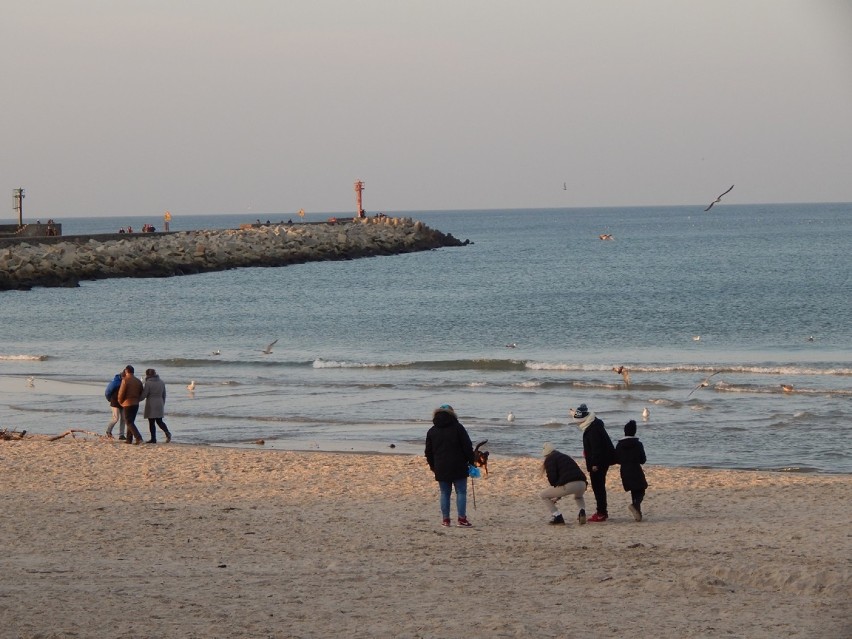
x: 630, y: 454
x: 449, y: 451
x: 565, y: 478
x: 154, y: 394
x: 111, y: 394
x: 599, y: 453
x: 128, y: 396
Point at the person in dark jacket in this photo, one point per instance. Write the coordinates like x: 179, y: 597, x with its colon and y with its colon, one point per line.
x: 630, y: 453
x: 449, y: 451
x: 566, y: 478
x: 111, y: 394
x: 599, y: 453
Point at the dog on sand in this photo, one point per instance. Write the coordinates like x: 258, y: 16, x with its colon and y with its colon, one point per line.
x: 480, y: 457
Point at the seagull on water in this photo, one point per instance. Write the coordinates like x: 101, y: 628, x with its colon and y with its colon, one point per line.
x: 510, y: 417
x: 718, y: 199
x: 217, y: 352
x: 706, y: 382
x: 268, y: 349
x: 191, y: 386
x: 787, y: 388
x: 31, y: 382
x: 625, y: 374
x: 512, y: 345
x: 696, y: 338
x: 646, y: 413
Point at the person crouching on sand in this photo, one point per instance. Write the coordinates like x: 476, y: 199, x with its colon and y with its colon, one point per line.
x: 566, y: 478
x: 630, y: 453
x: 449, y: 451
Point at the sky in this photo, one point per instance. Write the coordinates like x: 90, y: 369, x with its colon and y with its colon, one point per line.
x: 271, y: 106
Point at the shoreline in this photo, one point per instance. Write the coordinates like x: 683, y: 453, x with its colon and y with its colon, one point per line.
x: 206, y: 541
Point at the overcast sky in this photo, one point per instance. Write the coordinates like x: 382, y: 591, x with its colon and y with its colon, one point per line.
x: 131, y: 107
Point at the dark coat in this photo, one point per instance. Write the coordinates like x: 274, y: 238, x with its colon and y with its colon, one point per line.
x: 630, y: 453
x: 448, y: 447
x: 562, y: 469
x: 111, y: 391
x: 597, y: 446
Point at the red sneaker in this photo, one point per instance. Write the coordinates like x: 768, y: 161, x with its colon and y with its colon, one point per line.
x: 445, y: 522
x: 464, y: 523
x: 598, y: 517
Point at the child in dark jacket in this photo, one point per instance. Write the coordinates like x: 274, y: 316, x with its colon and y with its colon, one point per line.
x: 630, y: 454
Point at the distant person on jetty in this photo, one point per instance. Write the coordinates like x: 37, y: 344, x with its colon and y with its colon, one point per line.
x: 599, y: 453
x: 167, y: 218
x: 154, y: 394
x: 449, y: 451
x: 111, y: 393
x: 630, y: 454
x: 128, y: 396
x: 565, y: 478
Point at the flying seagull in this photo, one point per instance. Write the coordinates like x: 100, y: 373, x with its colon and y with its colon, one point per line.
x: 718, y: 199
x: 622, y: 370
x: 268, y: 349
x: 706, y: 382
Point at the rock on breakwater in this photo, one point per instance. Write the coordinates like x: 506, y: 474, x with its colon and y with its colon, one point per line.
x: 24, y: 265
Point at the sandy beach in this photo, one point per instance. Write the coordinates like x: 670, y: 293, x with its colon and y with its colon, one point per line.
x: 102, y: 539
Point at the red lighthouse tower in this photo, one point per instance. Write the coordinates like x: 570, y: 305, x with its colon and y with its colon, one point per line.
x: 359, y: 187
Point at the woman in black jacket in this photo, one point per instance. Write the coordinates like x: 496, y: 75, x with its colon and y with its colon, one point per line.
x: 449, y: 451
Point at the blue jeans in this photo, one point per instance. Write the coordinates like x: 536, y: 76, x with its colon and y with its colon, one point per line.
x: 461, y: 496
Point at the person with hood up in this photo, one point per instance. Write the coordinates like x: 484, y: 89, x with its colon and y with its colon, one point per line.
x: 630, y: 454
x: 449, y: 451
x: 599, y: 453
x: 111, y: 394
x: 566, y: 478
x: 154, y: 394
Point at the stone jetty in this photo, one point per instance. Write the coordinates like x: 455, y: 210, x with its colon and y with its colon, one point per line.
x: 66, y: 261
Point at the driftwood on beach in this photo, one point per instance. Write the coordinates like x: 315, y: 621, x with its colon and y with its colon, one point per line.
x: 71, y: 432
x: 8, y: 435
x: 25, y: 264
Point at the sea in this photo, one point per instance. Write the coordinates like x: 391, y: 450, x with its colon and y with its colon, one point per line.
x: 735, y: 326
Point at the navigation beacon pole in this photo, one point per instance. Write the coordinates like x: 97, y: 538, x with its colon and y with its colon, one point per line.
x: 359, y: 187
x: 19, y: 204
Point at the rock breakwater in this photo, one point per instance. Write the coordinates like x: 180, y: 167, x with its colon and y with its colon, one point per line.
x: 65, y: 263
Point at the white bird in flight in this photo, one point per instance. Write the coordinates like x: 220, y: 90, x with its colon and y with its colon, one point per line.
x: 718, y: 199
x: 191, y: 386
x: 706, y: 382
x: 268, y: 349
